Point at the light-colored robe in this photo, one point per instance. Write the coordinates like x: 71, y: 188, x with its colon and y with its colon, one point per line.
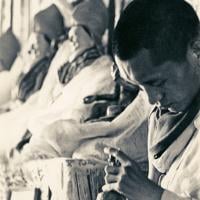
x: 183, y: 175
x: 94, y: 79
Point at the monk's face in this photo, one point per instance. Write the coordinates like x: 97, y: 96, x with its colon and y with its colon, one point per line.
x: 171, y: 85
x: 39, y: 46
x: 35, y: 49
x: 80, y: 38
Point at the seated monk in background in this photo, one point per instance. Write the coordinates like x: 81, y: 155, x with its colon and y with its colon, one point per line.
x: 28, y: 74
x: 60, y: 134
x: 68, y: 104
x: 76, y: 14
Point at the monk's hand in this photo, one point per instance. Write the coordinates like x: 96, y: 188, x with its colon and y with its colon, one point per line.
x: 128, y: 180
x: 89, y: 99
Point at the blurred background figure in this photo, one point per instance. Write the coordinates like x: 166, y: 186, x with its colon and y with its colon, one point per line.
x: 32, y: 64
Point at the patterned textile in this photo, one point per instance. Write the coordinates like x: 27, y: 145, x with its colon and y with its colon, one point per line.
x: 70, y: 69
x: 32, y: 81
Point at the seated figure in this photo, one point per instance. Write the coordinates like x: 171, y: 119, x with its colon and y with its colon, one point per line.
x: 31, y: 66
x: 66, y: 104
x: 59, y: 133
x: 50, y: 24
x: 76, y: 14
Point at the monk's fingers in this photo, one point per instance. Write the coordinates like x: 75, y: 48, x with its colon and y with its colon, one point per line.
x: 112, y: 174
x: 119, y: 155
x: 112, y: 170
x: 109, y: 178
x: 100, y: 196
x: 112, y: 187
x: 89, y: 99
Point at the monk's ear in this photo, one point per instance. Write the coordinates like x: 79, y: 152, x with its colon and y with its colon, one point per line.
x: 194, y: 50
x: 193, y: 53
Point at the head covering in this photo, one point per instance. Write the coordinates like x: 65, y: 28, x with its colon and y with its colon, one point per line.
x: 50, y: 22
x: 9, y: 47
x: 90, y: 13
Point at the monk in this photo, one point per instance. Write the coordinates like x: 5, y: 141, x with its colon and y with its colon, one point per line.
x: 152, y: 51
x: 32, y: 64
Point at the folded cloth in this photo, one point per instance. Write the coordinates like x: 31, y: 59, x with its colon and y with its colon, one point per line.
x: 93, y: 79
x: 128, y: 131
x: 32, y: 81
x: 70, y: 107
x: 70, y: 69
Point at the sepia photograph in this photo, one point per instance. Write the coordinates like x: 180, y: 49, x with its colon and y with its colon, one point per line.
x: 99, y: 100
